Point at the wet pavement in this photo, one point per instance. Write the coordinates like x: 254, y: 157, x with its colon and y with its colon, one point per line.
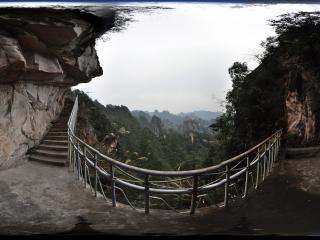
x: 40, y: 199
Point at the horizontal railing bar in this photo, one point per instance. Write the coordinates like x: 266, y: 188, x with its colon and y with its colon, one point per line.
x: 238, y: 174
x: 172, y: 180
x: 162, y: 186
x: 211, y: 177
x: 166, y: 191
x: 129, y: 175
x: 172, y: 173
x: 163, y: 191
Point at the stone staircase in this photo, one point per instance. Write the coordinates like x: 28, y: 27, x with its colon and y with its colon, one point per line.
x: 54, y: 146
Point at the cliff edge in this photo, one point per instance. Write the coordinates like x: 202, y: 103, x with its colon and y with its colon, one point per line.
x: 42, y: 53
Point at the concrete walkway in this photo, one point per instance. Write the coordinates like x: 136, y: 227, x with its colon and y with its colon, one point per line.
x: 37, y: 198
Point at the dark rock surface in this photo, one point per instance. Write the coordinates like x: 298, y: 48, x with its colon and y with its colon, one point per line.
x: 49, y: 46
x: 288, y: 80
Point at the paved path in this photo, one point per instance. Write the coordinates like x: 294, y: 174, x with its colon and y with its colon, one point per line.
x: 36, y: 198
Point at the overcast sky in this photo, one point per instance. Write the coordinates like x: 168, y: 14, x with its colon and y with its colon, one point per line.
x: 178, y: 60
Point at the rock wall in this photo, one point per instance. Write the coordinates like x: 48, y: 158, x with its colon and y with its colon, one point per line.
x: 302, y: 108
x: 42, y: 53
x: 26, y: 111
x: 286, y: 88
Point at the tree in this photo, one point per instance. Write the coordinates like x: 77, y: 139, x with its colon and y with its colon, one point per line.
x: 227, y: 125
x: 290, y: 22
x: 269, y: 46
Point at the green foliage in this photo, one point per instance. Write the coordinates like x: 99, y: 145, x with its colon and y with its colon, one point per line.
x: 253, y: 110
x: 227, y: 125
x: 292, y: 22
x: 144, y: 141
x: 90, y: 112
x: 256, y: 104
x: 269, y: 46
x: 298, y: 34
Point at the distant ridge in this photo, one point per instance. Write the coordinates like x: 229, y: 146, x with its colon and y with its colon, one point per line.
x: 202, y: 118
x: 205, y: 115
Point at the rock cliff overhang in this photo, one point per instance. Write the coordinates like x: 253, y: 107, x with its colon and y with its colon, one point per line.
x: 51, y: 46
x: 43, y: 52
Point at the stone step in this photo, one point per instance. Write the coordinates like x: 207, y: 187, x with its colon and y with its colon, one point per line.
x: 44, y: 159
x: 61, y: 148
x: 54, y: 147
x: 50, y: 153
x: 65, y: 114
x: 59, y: 125
x: 59, y: 129
x: 55, y: 142
x: 57, y: 133
x: 303, y: 152
x: 64, y: 117
x: 56, y: 138
x: 61, y: 121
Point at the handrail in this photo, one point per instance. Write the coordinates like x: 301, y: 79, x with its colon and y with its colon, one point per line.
x: 263, y: 155
x: 73, y: 116
x: 174, y: 173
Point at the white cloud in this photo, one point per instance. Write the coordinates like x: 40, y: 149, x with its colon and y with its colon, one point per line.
x: 178, y: 59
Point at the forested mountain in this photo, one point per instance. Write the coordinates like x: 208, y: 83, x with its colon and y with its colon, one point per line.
x: 205, y: 115
x: 143, y: 140
x: 197, y: 120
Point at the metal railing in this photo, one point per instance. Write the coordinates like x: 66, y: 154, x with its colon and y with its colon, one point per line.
x: 229, y: 179
x: 72, y: 123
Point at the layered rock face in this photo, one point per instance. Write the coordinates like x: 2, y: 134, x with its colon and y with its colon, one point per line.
x: 42, y: 53
x: 289, y: 89
x: 302, y: 108
x: 25, y: 113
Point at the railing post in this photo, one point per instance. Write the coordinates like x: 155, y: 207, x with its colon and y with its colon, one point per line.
x: 74, y: 156
x: 270, y: 157
x: 146, y: 195
x: 226, y: 187
x: 78, y: 159
x: 275, y: 148
x: 247, y: 178
x: 113, y: 189
x: 69, y: 151
x: 95, y: 175
x: 194, y: 194
x: 258, y: 169
x: 272, y: 153
x: 82, y: 163
x: 268, y: 160
x: 278, y: 145
x: 85, y: 166
x: 264, y: 162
